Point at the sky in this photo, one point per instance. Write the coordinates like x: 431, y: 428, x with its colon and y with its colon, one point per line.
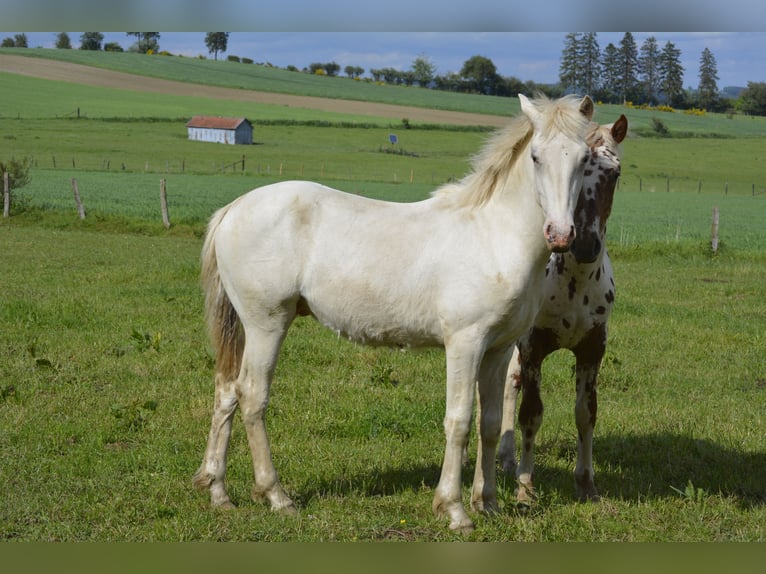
x: 740, y: 56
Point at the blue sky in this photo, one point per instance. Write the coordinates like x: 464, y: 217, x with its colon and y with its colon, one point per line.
x: 740, y: 56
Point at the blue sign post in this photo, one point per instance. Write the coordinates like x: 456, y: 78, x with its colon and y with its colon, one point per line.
x: 392, y: 138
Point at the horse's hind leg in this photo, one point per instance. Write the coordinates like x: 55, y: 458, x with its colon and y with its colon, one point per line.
x: 258, y: 363
x: 507, y: 450
x: 212, y: 473
x: 588, y: 354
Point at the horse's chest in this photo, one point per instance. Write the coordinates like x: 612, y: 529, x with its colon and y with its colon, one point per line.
x: 575, y: 299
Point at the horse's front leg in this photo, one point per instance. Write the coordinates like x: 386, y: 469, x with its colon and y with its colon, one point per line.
x: 588, y: 354
x: 463, y: 358
x: 507, y: 449
x: 492, y: 374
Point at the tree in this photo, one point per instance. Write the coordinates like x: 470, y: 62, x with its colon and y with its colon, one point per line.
x: 18, y: 171
x: 671, y: 75
x: 569, y: 70
x: 611, y: 73
x: 752, y: 100
x: 216, y: 42
x: 649, y: 69
x: 423, y: 70
x: 353, y: 72
x: 63, y: 42
x: 628, y: 67
x: 331, y: 68
x: 708, y: 74
x: 18, y: 41
x: 590, y: 56
x: 18, y: 176
x: 147, y: 41
x: 481, y: 74
x: 91, y: 40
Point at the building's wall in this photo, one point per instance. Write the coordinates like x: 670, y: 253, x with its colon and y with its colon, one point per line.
x: 243, y: 135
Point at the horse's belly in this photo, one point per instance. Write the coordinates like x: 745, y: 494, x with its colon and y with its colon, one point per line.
x: 377, y: 323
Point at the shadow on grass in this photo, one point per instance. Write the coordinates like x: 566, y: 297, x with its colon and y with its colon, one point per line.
x: 628, y: 467
x: 662, y: 464
x: 381, y: 482
x: 643, y: 467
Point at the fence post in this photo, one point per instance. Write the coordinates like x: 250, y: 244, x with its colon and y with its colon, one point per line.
x: 164, y: 204
x: 714, y: 231
x: 6, y: 194
x: 77, y: 200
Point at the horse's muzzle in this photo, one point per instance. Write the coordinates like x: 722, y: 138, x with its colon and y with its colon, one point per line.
x: 557, y: 239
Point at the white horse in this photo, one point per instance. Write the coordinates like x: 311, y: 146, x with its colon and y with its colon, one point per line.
x: 462, y: 269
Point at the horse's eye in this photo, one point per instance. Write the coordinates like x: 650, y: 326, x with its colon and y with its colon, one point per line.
x: 535, y: 159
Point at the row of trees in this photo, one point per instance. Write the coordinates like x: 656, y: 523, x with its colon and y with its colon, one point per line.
x: 648, y: 74
x: 146, y: 42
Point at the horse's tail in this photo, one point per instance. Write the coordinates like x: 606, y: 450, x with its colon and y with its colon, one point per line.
x: 224, y: 327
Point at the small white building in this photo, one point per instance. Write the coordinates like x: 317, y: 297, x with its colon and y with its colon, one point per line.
x: 220, y: 130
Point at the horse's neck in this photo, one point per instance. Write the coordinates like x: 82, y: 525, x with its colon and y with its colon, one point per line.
x: 567, y: 265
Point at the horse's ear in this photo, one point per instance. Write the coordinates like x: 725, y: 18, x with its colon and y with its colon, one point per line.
x: 528, y: 108
x: 586, y: 107
x: 620, y: 129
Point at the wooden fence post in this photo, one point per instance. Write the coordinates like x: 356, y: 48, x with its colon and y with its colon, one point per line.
x: 6, y: 194
x: 164, y: 204
x: 714, y: 231
x: 77, y: 200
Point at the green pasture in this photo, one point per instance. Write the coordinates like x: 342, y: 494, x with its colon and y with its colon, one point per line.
x: 106, y: 378
x: 270, y: 79
x: 106, y: 386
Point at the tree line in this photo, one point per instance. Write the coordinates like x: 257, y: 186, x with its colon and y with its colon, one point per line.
x: 650, y: 74
x: 647, y: 75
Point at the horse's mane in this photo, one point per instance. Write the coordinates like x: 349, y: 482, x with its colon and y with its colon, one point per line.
x: 497, y: 158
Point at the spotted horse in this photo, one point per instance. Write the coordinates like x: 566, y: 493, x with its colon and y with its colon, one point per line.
x: 579, y: 293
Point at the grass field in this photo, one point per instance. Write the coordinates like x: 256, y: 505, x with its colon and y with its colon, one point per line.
x: 107, y: 389
x: 106, y: 376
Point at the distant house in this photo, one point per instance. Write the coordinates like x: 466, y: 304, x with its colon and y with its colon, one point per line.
x: 220, y: 130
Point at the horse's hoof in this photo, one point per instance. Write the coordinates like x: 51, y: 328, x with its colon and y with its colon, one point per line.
x: 525, y: 494
x: 462, y: 526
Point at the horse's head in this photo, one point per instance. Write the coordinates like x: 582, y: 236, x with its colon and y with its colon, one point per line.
x: 599, y: 181
x: 559, y: 153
